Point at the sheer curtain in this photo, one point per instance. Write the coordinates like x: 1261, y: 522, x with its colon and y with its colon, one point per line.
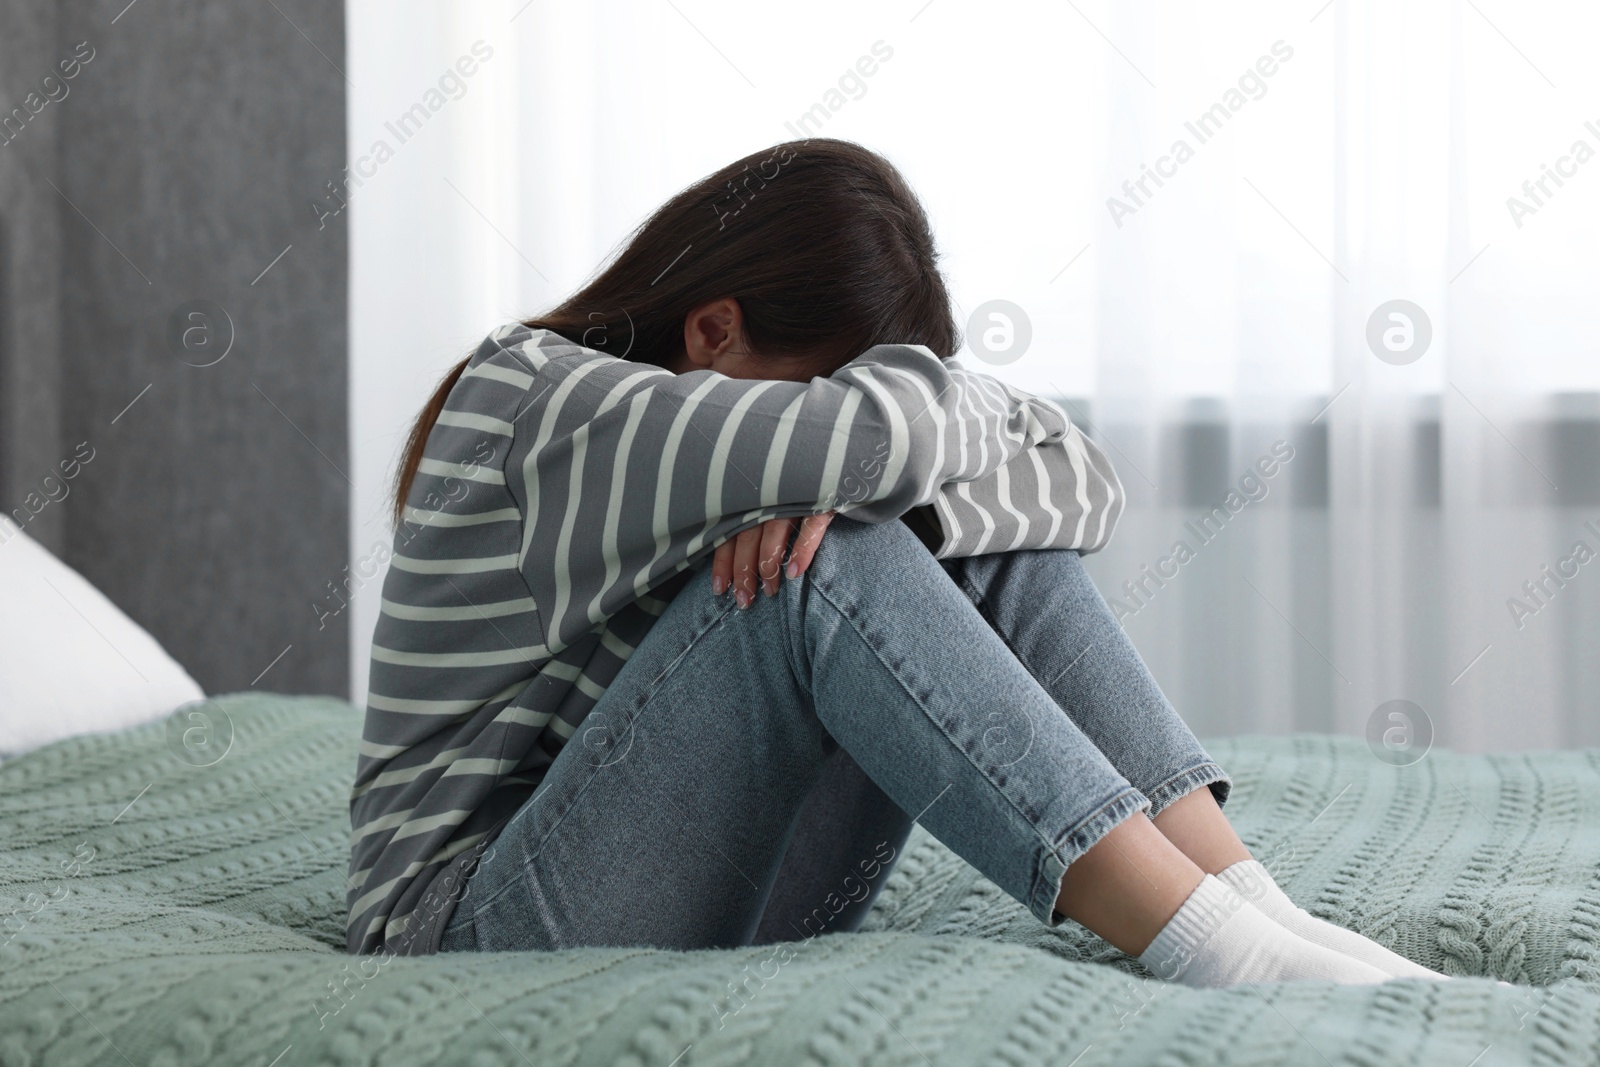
x: 1269, y: 256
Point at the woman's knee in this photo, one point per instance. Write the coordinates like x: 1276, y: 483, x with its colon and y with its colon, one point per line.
x: 877, y: 549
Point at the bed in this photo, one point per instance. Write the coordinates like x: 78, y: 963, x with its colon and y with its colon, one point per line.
x: 169, y: 902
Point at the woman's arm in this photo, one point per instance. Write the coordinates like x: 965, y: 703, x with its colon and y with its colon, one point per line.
x: 627, y: 473
x: 1063, y: 494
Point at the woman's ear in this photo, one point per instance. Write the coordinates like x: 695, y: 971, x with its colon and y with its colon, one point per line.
x: 713, y: 330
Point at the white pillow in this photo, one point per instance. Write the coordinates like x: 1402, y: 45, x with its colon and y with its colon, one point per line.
x: 70, y: 661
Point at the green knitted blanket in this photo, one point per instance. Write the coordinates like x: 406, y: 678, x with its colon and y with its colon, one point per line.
x: 159, y: 913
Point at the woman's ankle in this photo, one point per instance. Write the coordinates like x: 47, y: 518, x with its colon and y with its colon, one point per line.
x: 1195, y: 825
x: 1128, y: 885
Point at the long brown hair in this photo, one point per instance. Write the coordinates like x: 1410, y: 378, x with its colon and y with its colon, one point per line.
x: 822, y: 242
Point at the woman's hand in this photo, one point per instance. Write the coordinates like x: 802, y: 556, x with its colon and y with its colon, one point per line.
x: 758, y: 553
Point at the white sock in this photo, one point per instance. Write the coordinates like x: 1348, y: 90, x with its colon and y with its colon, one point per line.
x: 1251, y: 881
x: 1218, y: 938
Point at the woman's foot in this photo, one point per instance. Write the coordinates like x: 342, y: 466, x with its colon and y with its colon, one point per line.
x: 1251, y: 881
x: 1218, y: 938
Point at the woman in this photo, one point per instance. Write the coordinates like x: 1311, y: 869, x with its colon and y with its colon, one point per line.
x: 587, y: 728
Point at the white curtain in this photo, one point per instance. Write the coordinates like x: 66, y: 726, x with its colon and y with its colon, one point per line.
x: 1357, y: 530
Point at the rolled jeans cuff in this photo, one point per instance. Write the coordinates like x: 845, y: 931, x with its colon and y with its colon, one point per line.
x: 1185, y: 782
x: 1053, y: 861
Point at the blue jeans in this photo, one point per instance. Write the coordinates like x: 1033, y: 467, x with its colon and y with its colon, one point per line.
x: 747, y: 778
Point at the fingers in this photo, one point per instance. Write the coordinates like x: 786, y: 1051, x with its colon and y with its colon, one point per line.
x: 722, y: 568
x: 756, y: 555
x: 805, y: 546
x: 774, y: 539
x: 745, y: 549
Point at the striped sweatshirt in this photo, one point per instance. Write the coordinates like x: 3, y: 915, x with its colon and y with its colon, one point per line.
x: 562, y: 498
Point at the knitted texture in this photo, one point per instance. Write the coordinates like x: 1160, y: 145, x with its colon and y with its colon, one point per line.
x: 202, y: 923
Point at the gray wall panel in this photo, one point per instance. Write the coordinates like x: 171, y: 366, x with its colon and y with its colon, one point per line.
x: 30, y: 277
x: 215, y: 510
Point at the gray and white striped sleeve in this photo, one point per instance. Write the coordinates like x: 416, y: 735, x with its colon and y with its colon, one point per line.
x: 627, y: 473
x: 1063, y: 493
